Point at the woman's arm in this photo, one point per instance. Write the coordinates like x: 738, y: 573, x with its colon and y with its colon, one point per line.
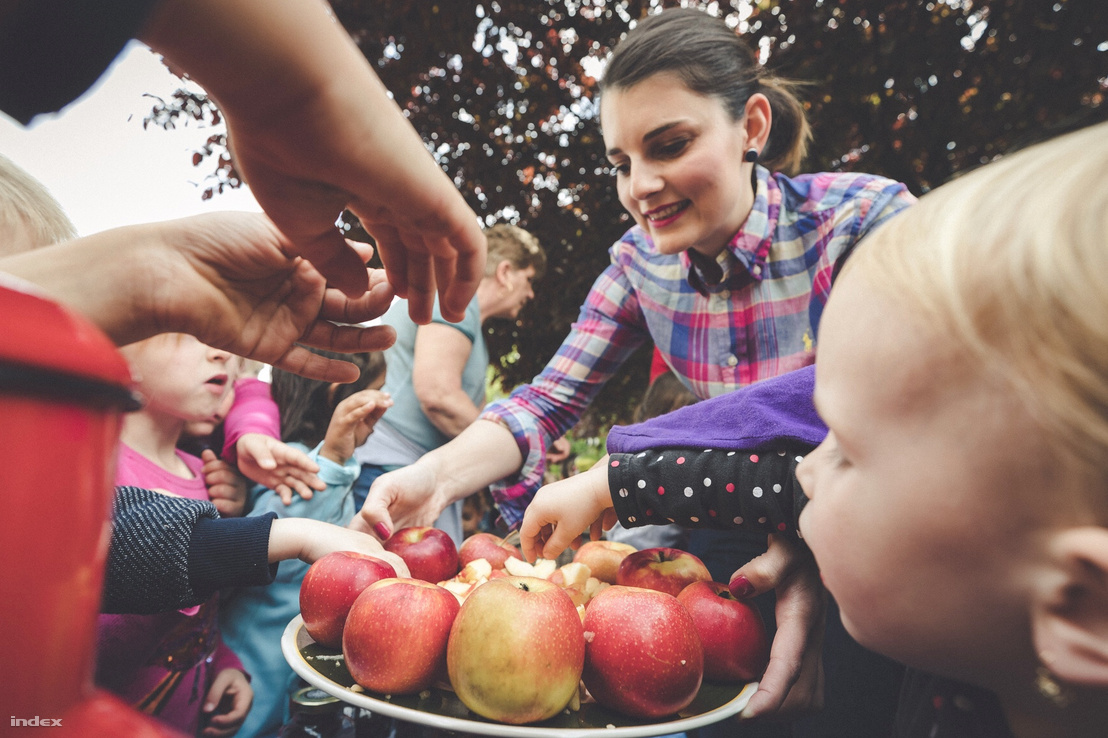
x: 418, y: 493
x: 507, y: 446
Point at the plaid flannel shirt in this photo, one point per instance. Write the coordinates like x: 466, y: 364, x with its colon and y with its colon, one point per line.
x: 757, y: 322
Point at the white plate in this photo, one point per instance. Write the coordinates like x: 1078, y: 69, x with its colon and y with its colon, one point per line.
x: 439, y: 708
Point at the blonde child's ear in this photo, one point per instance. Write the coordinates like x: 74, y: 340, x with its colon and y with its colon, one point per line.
x: 1069, y: 618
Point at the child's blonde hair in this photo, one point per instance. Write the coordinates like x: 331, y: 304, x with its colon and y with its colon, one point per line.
x: 30, y: 217
x: 1011, y: 262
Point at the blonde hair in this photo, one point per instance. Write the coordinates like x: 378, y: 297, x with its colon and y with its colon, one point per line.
x: 30, y: 217
x: 515, y: 245
x: 1011, y: 263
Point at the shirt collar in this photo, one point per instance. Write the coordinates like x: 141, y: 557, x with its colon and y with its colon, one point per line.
x: 747, y: 249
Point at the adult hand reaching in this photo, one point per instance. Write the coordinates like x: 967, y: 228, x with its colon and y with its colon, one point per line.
x: 226, y: 278
x: 400, y: 499
x: 793, y: 682
x: 313, y: 131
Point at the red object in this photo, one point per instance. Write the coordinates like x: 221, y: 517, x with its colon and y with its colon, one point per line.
x: 658, y: 365
x: 395, y: 637
x: 63, y: 388
x: 736, y: 645
x: 329, y: 589
x: 643, y: 656
x: 429, y: 552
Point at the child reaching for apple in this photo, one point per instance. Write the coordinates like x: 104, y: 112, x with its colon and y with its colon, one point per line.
x: 172, y: 665
x: 957, y: 507
x: 327, y: 422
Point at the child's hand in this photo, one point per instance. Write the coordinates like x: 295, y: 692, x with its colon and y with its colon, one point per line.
x: 226, y: 704
x: 309, y: 540
x: 278, y: 466
x: 352, y: 422
x: 562, y: 510
x: 226, y: 487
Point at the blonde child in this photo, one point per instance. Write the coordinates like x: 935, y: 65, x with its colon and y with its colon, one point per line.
x: 958, y: 506
x: 327, y: 422
x: 173, y: 665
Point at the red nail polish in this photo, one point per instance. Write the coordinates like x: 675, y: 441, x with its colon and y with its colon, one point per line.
x: 741, y: 587
x: 382, y: 530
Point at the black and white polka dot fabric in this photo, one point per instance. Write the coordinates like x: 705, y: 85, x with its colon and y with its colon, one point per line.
x: 707, y: 488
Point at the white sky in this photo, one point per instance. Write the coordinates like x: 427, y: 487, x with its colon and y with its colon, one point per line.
x: 101, y: 165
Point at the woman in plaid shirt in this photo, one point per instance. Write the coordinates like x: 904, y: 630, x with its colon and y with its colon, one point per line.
x: 726, y: 270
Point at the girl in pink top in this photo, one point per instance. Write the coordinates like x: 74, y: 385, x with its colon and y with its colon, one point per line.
x: 173, y: 665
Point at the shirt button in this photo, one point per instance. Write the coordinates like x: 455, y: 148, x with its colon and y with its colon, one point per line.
x: 732, y: 360
x: 756, y: 269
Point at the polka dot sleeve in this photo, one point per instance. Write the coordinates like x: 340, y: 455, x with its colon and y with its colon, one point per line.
x: 707, y: 488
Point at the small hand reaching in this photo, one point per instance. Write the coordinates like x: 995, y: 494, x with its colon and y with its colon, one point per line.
x: 352, y: 422
x: 561, y: 511
x: 278, y: 466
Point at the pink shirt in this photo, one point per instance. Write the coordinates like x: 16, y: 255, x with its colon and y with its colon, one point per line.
x: 163, y: 664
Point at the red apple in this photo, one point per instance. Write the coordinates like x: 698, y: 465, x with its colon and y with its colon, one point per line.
x: 667, y: 570
x: 429, y: 552
x: 396, y: 633
x: 516, y: 650
x: 489, y: 547
x: 736, y: 645
x: 603, y: 558
x: 642, y: 654
x: 330, y: 587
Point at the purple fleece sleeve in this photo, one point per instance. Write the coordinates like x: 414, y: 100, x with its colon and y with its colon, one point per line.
x: 774, y: 413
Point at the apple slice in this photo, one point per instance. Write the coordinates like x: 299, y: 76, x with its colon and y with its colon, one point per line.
x: 476, y: 571
x: 542, y: 568
x: 571, y: 575
x: 458, y: 588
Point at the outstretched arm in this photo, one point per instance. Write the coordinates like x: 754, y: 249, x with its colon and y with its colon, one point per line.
x: 226, y: 278
x: 313, y: 131
x: 418, y: 493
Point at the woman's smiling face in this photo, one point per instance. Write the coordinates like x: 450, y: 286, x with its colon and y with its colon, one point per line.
x: 678, y: 157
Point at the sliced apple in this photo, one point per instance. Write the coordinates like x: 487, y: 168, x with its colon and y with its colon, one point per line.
x: 542, y: 568
x: 476, y: 571
x: 571, y: 575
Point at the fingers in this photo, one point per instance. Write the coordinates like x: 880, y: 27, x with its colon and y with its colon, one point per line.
x: 227, y: 703
x: 532, y: 536
x: 335, y: 259
x: 346, y: 339
x: 469, y: 245
x: 374, y: 516
x: 764, y: 573
x: 421, y: 288
x: 393, y: 255
x: 793, y: 681
x: 295, y: 458
x: 285, y: 493
x: 299, y: 360
x: 373, y: 304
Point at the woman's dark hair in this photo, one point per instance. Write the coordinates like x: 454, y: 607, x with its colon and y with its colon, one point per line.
x: 711, y: 59
x: 306, y: 405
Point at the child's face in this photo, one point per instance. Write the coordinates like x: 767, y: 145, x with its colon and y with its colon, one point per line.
x: 678, y: 156
x: 929, y: 495
x: 181, y: 377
